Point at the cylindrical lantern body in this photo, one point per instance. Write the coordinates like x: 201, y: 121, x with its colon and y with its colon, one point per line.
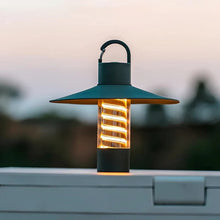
x: 113, y: 139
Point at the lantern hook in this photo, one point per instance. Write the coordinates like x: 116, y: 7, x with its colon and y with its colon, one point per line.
x: 115, y: 42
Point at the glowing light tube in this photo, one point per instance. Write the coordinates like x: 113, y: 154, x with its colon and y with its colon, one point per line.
x: 113, y: 123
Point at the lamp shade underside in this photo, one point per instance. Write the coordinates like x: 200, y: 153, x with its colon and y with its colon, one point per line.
x: 137, y: 96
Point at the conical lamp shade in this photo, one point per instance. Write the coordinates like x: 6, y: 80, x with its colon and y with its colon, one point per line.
x: 137, y: 96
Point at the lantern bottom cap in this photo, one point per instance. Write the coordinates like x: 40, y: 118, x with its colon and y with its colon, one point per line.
x: 113, y: 160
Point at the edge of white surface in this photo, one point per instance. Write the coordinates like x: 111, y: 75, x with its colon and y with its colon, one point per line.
x: 90, y: 177
x: 90, y: 171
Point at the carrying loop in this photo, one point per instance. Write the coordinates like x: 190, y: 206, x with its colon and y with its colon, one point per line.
x: 115, y: 42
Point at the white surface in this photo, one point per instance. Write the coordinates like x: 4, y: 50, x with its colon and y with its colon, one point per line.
x: 85, y: 177
x: 84, y: 194
x: 72, y: 216
x: 77, y: 199
x: 175, y: 190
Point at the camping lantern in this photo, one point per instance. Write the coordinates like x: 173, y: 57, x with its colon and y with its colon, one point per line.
x: 114, y: 94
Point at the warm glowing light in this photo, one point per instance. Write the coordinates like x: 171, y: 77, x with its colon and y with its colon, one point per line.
x: 114, y: 174
x: 112, y: 117
x: 114, y: 123
x: 114, y: 139
x: 114, y: 107
x: 122, y: 100
x: 113, y: 128
x: 102, y: 146
x: 105, y: 147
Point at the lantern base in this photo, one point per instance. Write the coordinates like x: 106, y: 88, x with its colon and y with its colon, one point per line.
x: 113, y: 160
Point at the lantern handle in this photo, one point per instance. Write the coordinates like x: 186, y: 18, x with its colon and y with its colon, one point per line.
x: 115, y: 42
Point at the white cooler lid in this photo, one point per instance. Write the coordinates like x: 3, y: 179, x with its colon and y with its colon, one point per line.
x: 90, y: 177
x: 86, y: 191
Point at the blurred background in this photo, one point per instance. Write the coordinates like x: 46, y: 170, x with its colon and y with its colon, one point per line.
x: 50, y: 49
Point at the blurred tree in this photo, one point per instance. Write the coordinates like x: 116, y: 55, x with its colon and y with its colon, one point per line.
x: 8, y: 92
x: 205, y: 153
x: 156, y: 116
x: 203, y: 107
x: 154, y: 138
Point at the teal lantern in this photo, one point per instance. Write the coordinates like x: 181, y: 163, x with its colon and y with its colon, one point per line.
x: 114, y: 94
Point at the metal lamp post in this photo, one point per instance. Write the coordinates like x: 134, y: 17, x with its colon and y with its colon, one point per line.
x: 114, y: 94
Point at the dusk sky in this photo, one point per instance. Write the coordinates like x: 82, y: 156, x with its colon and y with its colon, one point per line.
x: 50, y: 48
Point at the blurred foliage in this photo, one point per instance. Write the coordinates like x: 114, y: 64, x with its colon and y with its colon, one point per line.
x: 157, y: 116
x: 8, y: 92
x: 203, y: 107
x: 205, y: 153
